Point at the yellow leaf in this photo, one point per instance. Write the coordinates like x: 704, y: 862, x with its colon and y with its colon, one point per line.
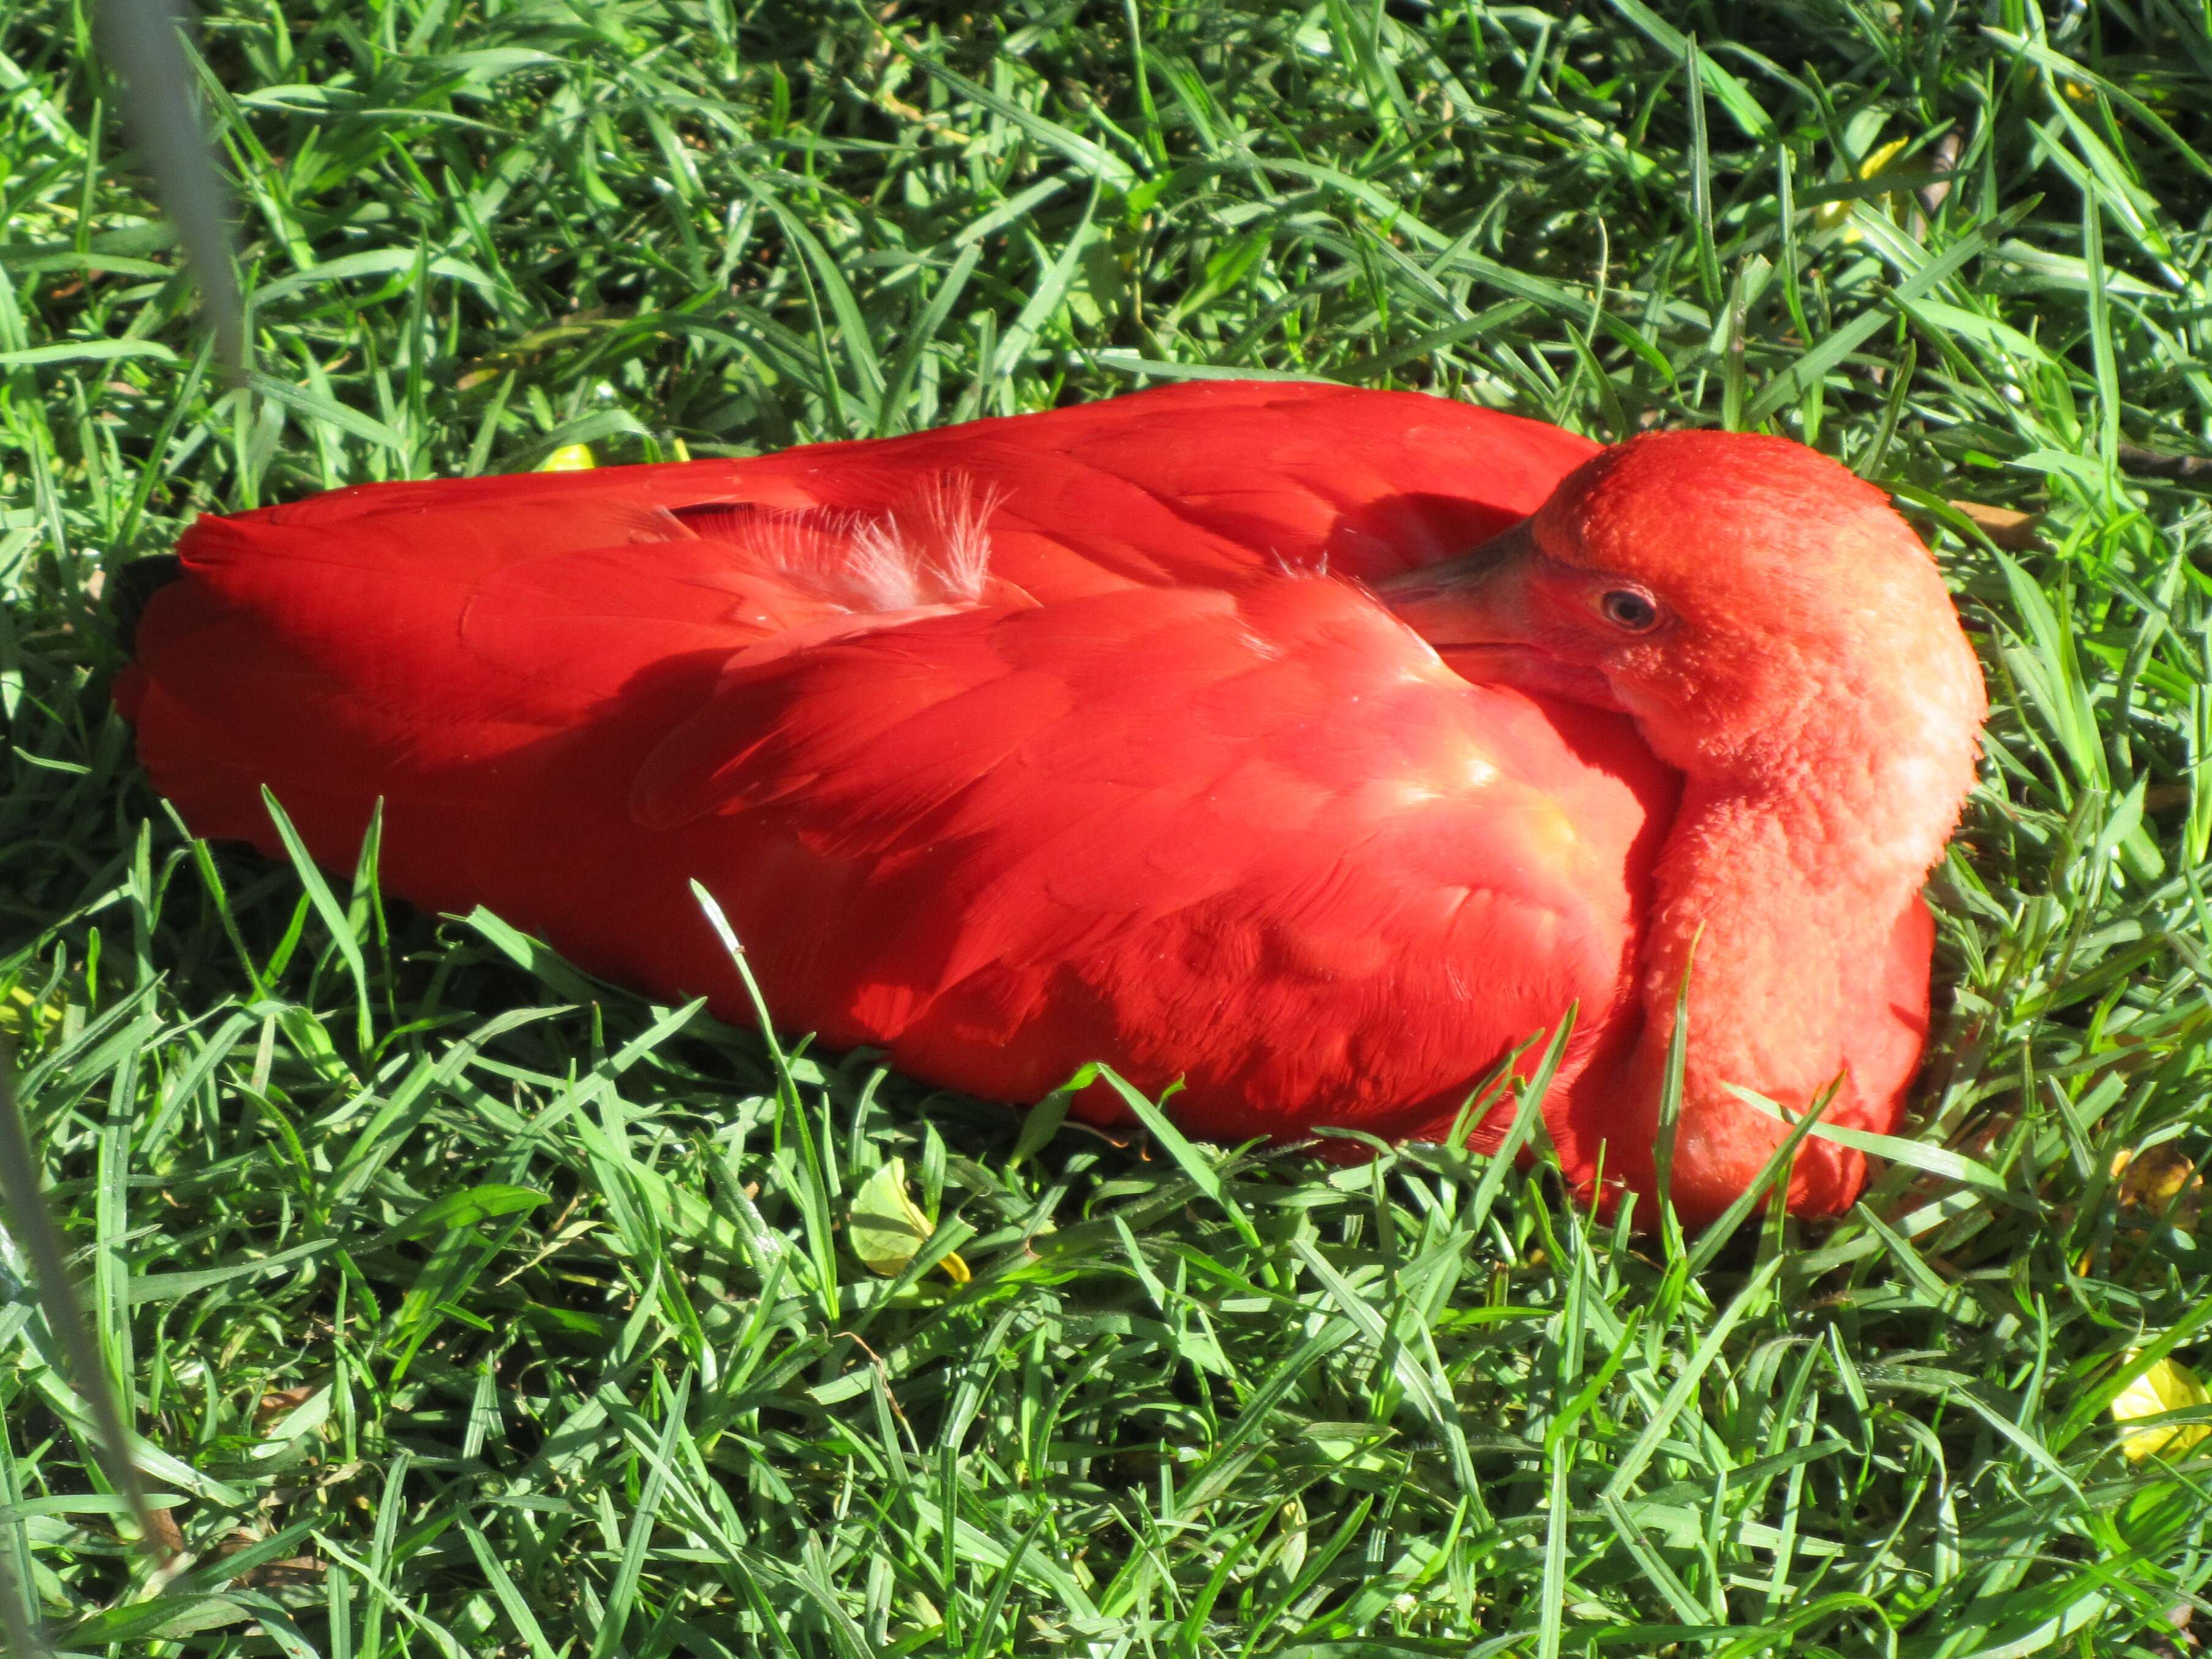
x: 1829, y: 214
x: 888, y: 1229
x: 23, y: 1016
x: 1882, y: 157
x: 2166, y: 1387
x: 570, y: 457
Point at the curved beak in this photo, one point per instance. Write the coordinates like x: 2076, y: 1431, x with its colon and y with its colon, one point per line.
x: 1476, y: 598
x: 1476, y: 612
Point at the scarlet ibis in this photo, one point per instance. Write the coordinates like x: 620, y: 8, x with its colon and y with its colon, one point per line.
x: 1309, y: 746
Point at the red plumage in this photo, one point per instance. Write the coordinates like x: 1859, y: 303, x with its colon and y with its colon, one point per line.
x: 1143, y: 785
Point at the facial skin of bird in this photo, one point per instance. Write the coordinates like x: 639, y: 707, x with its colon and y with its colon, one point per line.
x: 1034, y: 742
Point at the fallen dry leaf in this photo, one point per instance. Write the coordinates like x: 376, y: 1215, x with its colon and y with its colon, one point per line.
x: 274, y: 1405
x: 2164, y: 1180
x: 168, y: 1538
x: 273, y: 1575
x: 2013, y: 531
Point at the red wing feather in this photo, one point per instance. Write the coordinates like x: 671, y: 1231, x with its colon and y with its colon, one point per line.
x: 1096, y: 829
x: 1186, y: 816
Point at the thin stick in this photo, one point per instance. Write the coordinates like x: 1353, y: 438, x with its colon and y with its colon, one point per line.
x: 145, y: 44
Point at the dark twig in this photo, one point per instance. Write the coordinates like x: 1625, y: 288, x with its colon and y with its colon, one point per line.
x: 2153, y: 464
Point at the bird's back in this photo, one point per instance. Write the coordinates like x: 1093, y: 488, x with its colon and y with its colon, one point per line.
x: 1006, y: 747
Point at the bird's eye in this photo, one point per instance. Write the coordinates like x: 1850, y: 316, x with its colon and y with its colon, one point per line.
x: 1629, y: 611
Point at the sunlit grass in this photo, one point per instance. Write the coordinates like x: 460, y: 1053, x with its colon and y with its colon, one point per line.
x: 526, y: 1322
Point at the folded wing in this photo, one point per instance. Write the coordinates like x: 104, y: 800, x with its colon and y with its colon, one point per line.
x: 1124, y: 790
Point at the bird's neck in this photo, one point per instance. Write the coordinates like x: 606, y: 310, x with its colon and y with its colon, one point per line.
x: 1782, y: 900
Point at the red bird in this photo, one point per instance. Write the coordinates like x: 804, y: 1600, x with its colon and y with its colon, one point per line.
x: 1181, y: 732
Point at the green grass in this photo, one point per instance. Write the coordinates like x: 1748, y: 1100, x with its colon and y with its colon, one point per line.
x: 467, y: 1308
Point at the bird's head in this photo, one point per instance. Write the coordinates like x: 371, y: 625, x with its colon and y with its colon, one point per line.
x: 1734, y: 593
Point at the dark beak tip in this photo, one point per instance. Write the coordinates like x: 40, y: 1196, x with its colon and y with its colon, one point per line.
x: 1462, y: 572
